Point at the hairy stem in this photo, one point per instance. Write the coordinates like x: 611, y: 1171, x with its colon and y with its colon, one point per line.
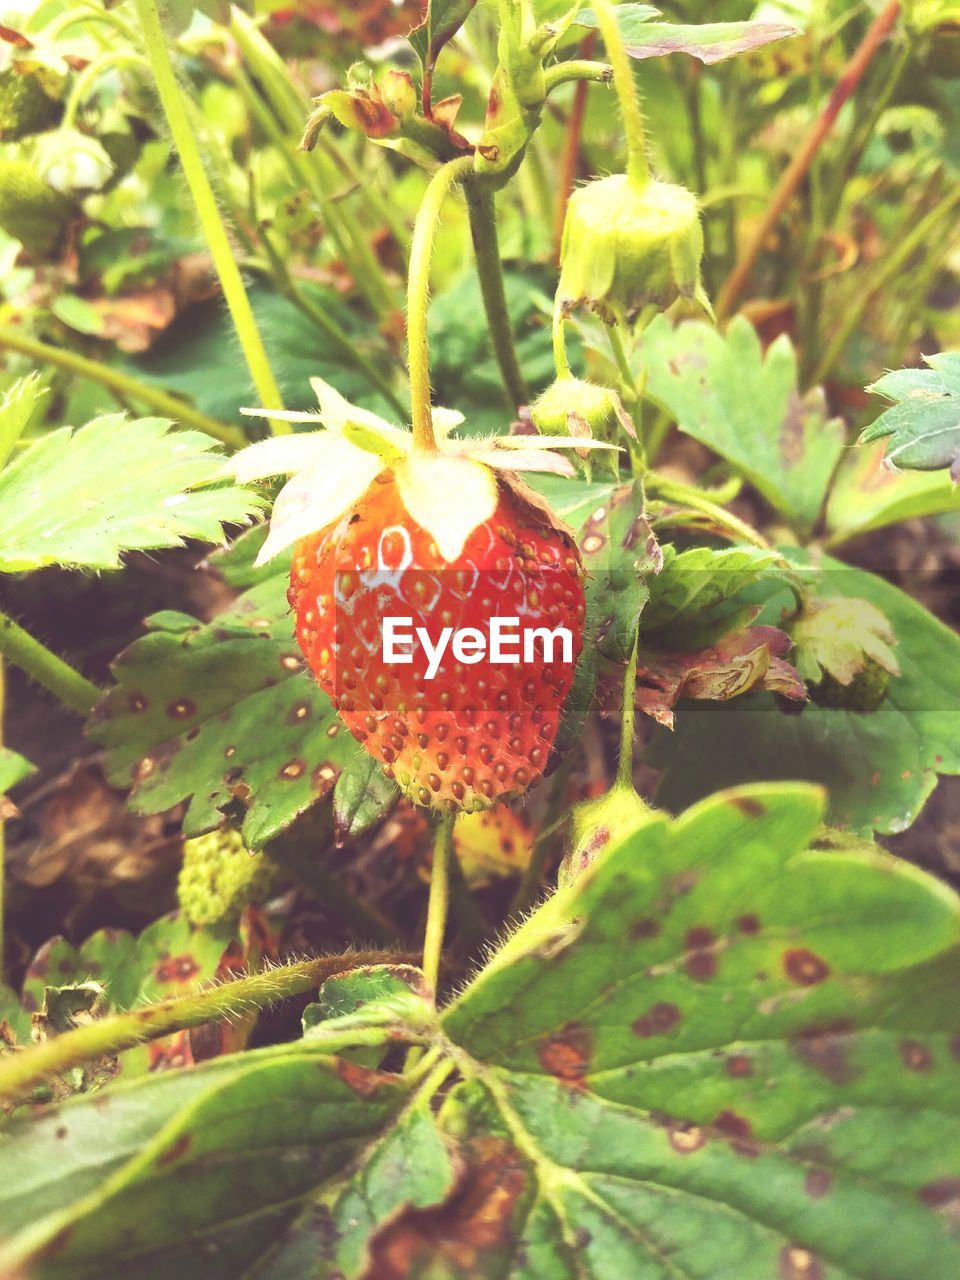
x: 21, y: 1071
x: 571, y: 147
x: 121, y: 384
x: 439, y: 899
x: 483, y: 229
x: 792, y: 176
x: 688, y: 495
x: 20, y: 647
x: 638, y: 167
x: 577, y: 69
x: 418, y: 297
x: 560, y: 360
x: 174, y: 108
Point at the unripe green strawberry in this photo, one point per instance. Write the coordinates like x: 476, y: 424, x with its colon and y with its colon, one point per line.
x: 24, y: 106
x: 476, y: 733
x: 866, y: 691
x: 627, y: 245
x: 574, y: 407
x: 445, y: 540
x: 220, y: 876
x: 30, y: 210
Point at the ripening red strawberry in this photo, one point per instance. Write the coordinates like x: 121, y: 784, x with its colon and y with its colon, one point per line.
x: 448, y: 540
x: 475, y: 733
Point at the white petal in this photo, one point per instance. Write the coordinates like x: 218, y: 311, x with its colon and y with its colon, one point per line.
x: 320, y: 495
x: 285, y: 415
x: 337, y: 412
x: 445, y: 420
x: 548, y: 442
x: 447, y: 496
x: 530, y: 460
x: 280, y: 455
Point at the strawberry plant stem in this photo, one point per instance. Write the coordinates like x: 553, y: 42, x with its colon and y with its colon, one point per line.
x: 638, y: 167
x: 121, y: 384
x: 483, y: 229
x: 3, y: 834
x: 792, y: 176
x: 418, y: 295
x: 628, y: 716
x: 21, y: 1071
x: 439, y: 899
x: 91, y: 73
x: 174, y: 108
x: 687, y: 495
x: 571, y: 147
x: 561, y: 363
x: 73, y: 689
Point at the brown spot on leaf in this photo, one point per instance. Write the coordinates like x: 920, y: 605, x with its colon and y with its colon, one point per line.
x: 686, y: 1138
x: 290, y: 662
x: 176, y: 968
x: 645, y: 928
x: 955, y: 1047
x: 817, y: 1183
x: 748, y: 924
x: 174, y: 1152
x: 748, y: 806
x: 566, y: 1054
x: 825, y: 1049
x: 915, y: 1056
x: 53, y: 1246
x: 701, y: 961
x: 799, y: 1264
x: 658, y: 1020
x: 292, y: 770
x: 458, y: 1237
x: 137, y: 701
x: 805, y: 967
x: 362, y: 1080
x: 323, y: 777
x: 181, y: 709
x: 298, y: 712
x: 739, y: 1065
x: 943, y: 1195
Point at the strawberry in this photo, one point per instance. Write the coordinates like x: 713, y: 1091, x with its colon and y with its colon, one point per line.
x: 451, y: 539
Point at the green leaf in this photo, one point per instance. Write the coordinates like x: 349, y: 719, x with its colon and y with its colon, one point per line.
x: 878, y: 767
x: 694, y: 598
x: 710, y: 42
x: 83, y: 498
x: 923, y: 425
x: 444, y: 19
x: 866, y: 495
x: 201, y: 1169
x: 724, y: 392
x: 223, y: 714
x: 16, y: 408
x: 719, y: 1054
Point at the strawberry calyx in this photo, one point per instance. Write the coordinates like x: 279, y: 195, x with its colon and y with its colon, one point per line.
x: 448, y: 492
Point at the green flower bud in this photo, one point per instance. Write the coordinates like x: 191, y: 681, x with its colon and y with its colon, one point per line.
x: 219, y: 877
x: 866, y: 691
x: 628, y: 245
x: 573, y: 407
x: 30, y: 210
x: 593, y: 824
x: 399, y: 94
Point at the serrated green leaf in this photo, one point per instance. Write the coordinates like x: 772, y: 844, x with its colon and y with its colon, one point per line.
x: 726, y: 393
x: 866, y: 495
x: 878, y: 767
x: 224, y: 714
x: 688, y: 1064
x: 16, y: 408
x: 923, y: 425
x: 710, y: 42
x: 694, y: 596
x: 82, y: 498
x: 444, y: 19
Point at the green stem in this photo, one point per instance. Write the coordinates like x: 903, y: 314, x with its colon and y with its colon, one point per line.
x: 121, y: 384
x: 638, y: 167
x: 91, y: 73
x: 577, y: 69
x: 418, y: 295
x: 21, y: 1071
x: 560, y: 359
x: 483, y: 229
x: 3, y: 834
x: 73, y: 689
x: 689, y: 496
x: 628, y: 715
x: 439, y: 900
x: 218, y: 241
x: 553, y: 819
